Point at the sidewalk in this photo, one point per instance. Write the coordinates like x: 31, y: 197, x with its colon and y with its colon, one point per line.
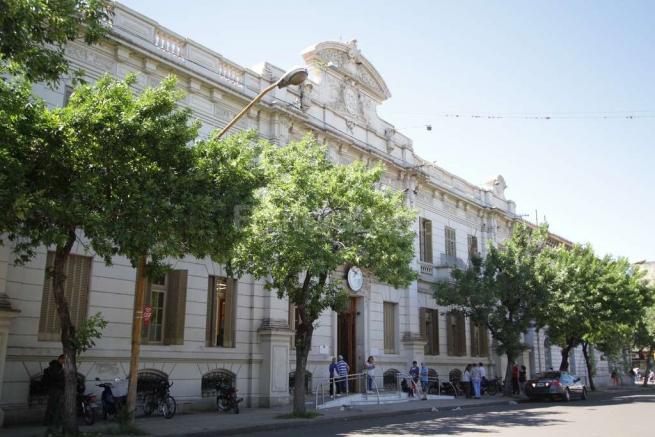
x: 260, y: 419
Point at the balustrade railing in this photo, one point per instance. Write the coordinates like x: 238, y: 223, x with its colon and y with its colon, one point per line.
x: 170, y: 44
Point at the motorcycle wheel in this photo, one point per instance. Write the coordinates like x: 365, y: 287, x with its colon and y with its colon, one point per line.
x: 88, y: 414
x: 149, y: 405
x: 168, y: 407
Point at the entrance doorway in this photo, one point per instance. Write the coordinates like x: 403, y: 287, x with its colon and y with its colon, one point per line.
x: 347, y: 334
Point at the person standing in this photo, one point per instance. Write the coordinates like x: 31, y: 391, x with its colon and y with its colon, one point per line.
x: 425, y: 379
x: 53, y: 379
x: 414, y: 373
x: 466, y: 381
x: 515, y: 379
x: 475, y: 380
x: 369, y: 366
x: 342, y: 369
x: 333, y: 376
x: 483, y: 376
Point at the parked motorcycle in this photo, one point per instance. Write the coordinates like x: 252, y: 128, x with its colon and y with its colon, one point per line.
x: 227, y: 399
x: 85, y: 407
x: 111, y: 402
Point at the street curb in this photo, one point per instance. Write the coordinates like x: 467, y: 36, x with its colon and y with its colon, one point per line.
x: 299, y: 423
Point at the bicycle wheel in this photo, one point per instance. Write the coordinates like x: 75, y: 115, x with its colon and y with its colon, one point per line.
x: 149, y: 405
x: 168, y: 407
x: 491, y: 389
x: 89, y: 414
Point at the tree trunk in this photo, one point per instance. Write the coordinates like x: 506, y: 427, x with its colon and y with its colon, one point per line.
x: 69, y: 410
x: 303, y: 345
x: 564, y: 365
x: 585, y: 352
x: 507, y: 387
x: 137, y: 324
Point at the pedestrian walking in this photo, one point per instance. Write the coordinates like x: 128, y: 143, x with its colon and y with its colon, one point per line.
x: 369, y: 367
x: 333, y: 377
x: 425, y: 378
x: 342, y: 369
x: 615, y: 377
x: 466, y: 381
x: 476, y: 378
x: 522, y: 378
x: 53, y: 380
x: 414, y: 373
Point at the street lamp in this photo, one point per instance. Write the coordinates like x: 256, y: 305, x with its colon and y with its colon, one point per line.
x: 294, y: 76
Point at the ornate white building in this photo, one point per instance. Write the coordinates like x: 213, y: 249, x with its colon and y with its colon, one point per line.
x: 204, y: 326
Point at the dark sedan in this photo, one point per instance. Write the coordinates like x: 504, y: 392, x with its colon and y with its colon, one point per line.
x: 553, y: 385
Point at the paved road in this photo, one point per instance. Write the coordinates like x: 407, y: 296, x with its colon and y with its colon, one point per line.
x: 628, y: 415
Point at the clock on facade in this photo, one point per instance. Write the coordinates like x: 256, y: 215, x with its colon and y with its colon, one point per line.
x: 355, y: 278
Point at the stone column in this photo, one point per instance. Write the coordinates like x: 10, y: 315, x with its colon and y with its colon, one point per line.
x: 6, y: 314
x: 274, y: 337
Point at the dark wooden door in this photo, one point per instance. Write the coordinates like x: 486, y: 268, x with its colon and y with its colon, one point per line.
x: 347, y: 335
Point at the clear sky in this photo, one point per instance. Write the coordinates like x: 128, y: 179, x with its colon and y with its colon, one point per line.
x: 592, y: 178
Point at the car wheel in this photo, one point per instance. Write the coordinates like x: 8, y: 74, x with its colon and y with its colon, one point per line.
x: 584, y: 395
x: 567, y: 395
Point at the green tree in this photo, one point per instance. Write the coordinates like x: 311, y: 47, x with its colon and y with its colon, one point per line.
x: 315, y: 217
x: 34, y: 33
x: 116, y: 168
x: 506, y: 290
x: 594, y: 301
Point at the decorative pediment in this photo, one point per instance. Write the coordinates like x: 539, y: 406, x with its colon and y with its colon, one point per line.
x: 347, y: 60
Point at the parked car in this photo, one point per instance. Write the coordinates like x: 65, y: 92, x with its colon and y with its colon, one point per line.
x: 551, y: 385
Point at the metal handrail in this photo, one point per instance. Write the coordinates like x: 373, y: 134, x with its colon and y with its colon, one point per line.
x: 320, y: 388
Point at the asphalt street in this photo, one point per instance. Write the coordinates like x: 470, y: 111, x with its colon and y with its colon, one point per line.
x: 617, y: 416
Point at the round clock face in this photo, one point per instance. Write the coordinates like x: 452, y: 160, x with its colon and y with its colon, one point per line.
x: 355, y: 279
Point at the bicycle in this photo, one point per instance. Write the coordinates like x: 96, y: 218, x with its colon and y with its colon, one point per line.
x: 160, y: 400
x: 492, y: 387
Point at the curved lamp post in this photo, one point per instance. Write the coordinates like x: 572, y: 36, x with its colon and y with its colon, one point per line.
x: 295, y: 76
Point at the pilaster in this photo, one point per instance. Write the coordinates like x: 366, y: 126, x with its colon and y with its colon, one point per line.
x: 274, y: 337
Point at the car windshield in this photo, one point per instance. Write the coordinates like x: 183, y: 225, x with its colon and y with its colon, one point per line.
x: 551, y: 375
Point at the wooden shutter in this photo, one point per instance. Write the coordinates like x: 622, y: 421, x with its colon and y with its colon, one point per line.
x: 175, y: 307
x: 451, y: 327
x: 76, y: 292
x: 461, y: 334
x: 422, y: 325
x: 389, y: 328
x: 210, y: 335
x: 421, y: 239
x: 425, y: 240
x: 228, y: 336
x: 433, y: 333
x: 484, y: 341
x: 475, y: 339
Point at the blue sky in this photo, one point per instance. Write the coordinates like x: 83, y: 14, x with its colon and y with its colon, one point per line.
x: 592, y: 178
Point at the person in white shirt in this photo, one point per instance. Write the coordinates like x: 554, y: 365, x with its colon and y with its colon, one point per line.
x: 466, y: 381
x: 483, y: 376
x: 475, y: 380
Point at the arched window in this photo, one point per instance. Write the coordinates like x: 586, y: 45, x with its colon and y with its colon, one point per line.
x: 308, y: 381
x: 216, y: 378
x: 389, y: 379
x: 148, y: 380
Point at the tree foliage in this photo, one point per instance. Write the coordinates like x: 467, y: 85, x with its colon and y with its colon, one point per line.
x: 594, y: 301
x: 506, y: 291
x: 315, y: 217
x: 34, y: 33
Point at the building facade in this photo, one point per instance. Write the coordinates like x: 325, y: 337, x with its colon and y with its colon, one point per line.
x: 206, y: 327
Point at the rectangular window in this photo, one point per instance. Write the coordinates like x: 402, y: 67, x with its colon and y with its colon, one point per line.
x: 473, y: 246
x: 221, y: 311
x: 76, y: 291
x: 389, y: 327
x: 429, y: 323
x: 166, y: 296
x: 479, y: 340
x: 425, y: 240
x: 456, y: 333
x: 451, y: 242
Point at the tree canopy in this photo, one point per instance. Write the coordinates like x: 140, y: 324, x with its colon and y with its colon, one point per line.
x: 506, y: 291
x: 34, y: 33
x: 315, y: 217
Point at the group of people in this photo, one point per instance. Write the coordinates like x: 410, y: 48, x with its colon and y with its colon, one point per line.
x: 519, y: 377
x: 339, y: 370
x: 472, y: 379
